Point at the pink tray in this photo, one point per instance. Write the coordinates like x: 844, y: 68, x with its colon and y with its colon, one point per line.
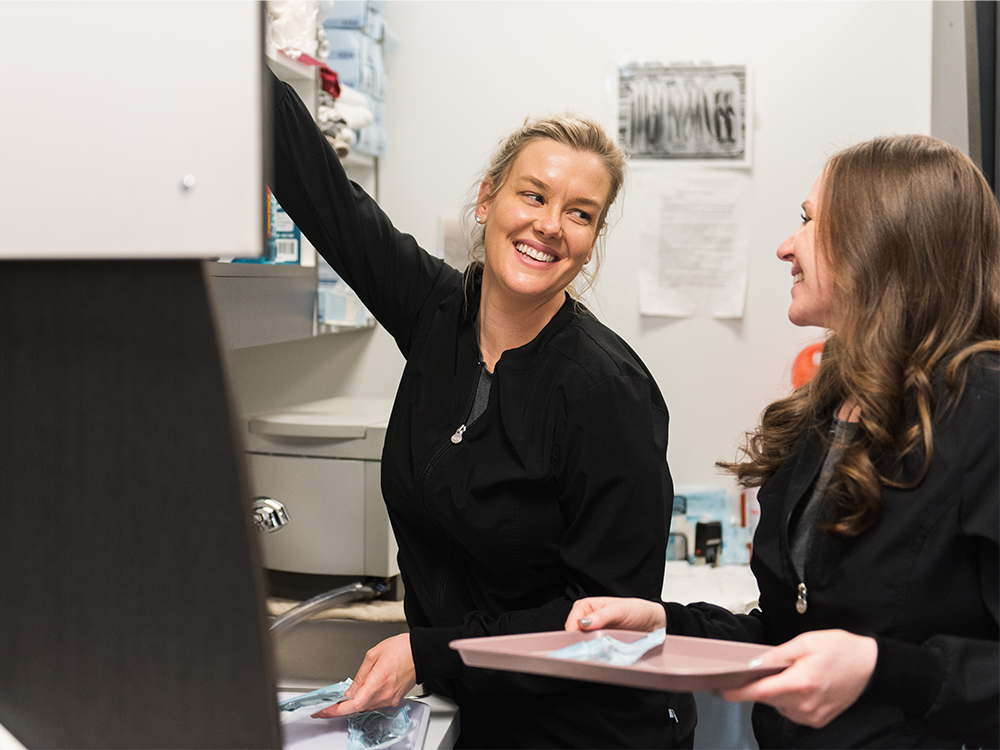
x: 680, y: 665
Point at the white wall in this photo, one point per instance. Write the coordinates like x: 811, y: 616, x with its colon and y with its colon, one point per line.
x: 826, y: 75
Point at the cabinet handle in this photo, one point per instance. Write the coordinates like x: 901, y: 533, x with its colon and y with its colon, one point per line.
x: 269, y: 515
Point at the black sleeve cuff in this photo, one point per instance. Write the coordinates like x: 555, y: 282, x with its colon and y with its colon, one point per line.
x: 906, y: 676
x: 704, y: 620
x: 433, y: 658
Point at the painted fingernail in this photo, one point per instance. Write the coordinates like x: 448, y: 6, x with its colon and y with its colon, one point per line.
x: 757, y: 662
x: 584, y: 622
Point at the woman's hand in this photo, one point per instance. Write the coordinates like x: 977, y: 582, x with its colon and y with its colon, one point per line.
x: 597, y: 612
x: 386, y: 675
x: 828, y: 670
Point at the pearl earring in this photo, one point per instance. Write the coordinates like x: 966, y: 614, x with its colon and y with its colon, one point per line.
x: 479, y: 219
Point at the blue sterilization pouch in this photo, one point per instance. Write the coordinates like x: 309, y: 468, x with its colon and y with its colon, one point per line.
x: 324, y: 696
x: 608, y: 650
x: 372, y: 728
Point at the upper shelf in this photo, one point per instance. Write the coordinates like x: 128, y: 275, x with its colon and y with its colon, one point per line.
x: 285, y: 67
x: 264, y: 303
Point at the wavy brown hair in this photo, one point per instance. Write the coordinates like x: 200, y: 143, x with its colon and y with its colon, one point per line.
x: 910, y: 231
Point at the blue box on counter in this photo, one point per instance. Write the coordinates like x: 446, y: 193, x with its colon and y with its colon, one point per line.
x: 704, y: 503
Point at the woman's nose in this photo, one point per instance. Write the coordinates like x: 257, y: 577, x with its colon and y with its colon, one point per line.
x: 785, y: 249
x: 548, y: 222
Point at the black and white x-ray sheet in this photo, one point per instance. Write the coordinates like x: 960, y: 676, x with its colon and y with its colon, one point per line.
x: 694, y: 242
x: 685, y: 112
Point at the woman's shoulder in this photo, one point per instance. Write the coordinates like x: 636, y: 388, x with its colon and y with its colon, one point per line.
x: 599, y: 351
x: 984, y: 372
x: 978, y: 399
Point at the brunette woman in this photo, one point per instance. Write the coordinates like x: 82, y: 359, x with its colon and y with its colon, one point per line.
x: 876, y: 555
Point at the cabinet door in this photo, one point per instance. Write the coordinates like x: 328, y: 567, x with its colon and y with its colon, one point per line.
x: 132, y: 129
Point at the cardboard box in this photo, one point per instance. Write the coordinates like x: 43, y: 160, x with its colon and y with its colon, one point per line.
x: 357, y: 60
x: 284, y: 241
x: 362, y: 15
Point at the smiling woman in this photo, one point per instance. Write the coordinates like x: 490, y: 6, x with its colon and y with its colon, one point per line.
x: 813, y: 302
x: 524, y: 464
x: 577, y: 134
x: 541, y: 225
x: 877, y: 549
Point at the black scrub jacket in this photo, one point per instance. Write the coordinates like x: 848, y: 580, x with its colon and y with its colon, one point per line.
x: 925, y: 582
x: 559, y: 490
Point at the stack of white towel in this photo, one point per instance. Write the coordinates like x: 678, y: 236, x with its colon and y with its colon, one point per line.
x: 339, y: 118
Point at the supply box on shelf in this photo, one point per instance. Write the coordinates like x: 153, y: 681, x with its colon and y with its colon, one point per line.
x: 284, y: 244
x: 355, y: 32
x: 365, y: 15
x: 338, y: 307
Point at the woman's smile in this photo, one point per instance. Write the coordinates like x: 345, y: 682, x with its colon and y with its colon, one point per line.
x: 531, y: 252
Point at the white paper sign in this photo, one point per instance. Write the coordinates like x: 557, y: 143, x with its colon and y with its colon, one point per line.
x: 694, y: 242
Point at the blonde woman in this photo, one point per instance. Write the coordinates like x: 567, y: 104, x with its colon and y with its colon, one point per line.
x: 524, y: 464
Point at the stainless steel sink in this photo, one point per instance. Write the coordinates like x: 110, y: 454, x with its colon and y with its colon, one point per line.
x: 322, y: 651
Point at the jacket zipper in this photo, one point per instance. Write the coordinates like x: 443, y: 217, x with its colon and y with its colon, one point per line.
x: 456, y: 438
x: 801, y: 599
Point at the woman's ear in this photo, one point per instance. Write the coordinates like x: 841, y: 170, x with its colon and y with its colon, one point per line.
x: 485, y: 189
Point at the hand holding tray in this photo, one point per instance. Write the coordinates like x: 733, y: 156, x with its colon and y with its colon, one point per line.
x: 681, y: 665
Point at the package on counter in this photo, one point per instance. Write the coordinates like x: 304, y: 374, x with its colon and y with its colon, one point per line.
x: 373, y: 728
x: 325, y: 696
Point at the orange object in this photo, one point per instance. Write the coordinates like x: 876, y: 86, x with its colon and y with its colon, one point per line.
x: 806, y: 363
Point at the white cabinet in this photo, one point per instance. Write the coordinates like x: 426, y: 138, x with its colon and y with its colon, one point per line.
x: 257, y: 303
x: 131, y: 130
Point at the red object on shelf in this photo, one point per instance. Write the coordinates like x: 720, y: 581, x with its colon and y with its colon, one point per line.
x: 329, y: 81
x: 327, y: 78
x: 806, y: 363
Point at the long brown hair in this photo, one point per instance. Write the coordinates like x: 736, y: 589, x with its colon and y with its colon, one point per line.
x: 910, y: 231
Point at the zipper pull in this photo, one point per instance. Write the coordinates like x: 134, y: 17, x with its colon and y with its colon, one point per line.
x: 801, y: 605
x: 457, y: 437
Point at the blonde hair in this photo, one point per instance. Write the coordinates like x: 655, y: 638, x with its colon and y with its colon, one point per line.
x: 577, y: 132
x: 910, y: 231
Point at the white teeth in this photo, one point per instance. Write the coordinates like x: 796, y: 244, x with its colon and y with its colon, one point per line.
x: 532, y: 253
x: 797, y: 278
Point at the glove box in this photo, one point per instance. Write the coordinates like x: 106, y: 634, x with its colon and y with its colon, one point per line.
x: 314, y: 476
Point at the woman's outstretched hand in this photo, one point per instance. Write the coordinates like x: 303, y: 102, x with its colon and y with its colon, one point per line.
x: 827, y: 672
x: 386, y: 675
x: 596, y: 612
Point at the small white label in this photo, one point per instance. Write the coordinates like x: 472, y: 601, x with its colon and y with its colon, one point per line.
x: 286, y: 251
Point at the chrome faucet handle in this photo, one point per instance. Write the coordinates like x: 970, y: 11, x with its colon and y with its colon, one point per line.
x: 269, y: 515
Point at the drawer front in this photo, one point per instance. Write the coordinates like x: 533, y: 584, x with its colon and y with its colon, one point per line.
x: 325, y: 501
